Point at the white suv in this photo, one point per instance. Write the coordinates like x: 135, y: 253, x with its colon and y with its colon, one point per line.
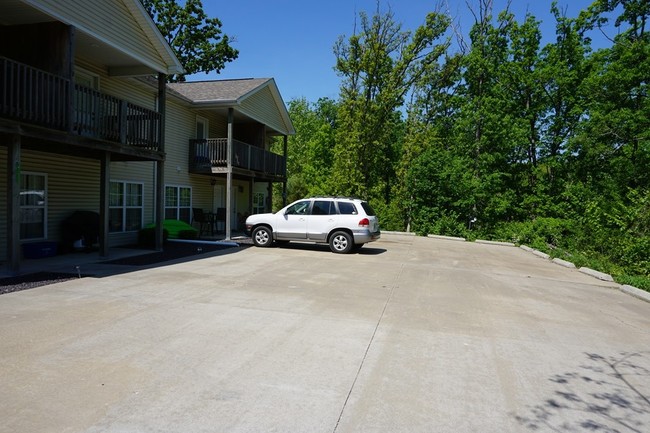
x: 343, y: 223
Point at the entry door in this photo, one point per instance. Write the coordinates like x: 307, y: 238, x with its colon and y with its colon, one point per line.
x: 219, y: 201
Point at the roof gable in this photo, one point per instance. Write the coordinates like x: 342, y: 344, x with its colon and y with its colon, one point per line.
x: 257, y: 98
x: 119, y: 33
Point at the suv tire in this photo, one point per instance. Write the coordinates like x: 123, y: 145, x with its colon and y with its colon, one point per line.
x: 262, y: 236
x: 341, y: 242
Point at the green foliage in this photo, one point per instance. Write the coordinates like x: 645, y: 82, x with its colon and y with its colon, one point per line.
x: 196, y: 39
x: 379, y: 66
x: 505, y: 139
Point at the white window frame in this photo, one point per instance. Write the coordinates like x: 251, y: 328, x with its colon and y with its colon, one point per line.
x: 259, y: 202
x: 176, y: 206
x: 124, y: 207
x: 40, y: 206
x: 206, y: 127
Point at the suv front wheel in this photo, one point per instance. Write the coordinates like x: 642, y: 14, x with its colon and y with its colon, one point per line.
x: 341, y: 242
x: 262, y: 236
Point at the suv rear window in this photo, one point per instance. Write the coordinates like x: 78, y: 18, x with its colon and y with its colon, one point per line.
x: 369, y: 210
x: 346, y: 208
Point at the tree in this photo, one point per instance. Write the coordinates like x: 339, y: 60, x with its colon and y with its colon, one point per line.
x: 379, y: 66
x: 197, y: 40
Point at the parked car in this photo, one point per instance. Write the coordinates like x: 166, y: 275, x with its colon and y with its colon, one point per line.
x: 346, y: 224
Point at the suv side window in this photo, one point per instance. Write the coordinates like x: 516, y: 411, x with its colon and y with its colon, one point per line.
x: 346, y: 208
x: 299, y: 208
x: 323, y: 207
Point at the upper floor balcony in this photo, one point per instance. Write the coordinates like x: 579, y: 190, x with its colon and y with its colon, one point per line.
x: 210, y: 155
x: 32, y: 96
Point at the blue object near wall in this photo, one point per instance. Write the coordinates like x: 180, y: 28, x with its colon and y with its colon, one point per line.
x: 39, y: 250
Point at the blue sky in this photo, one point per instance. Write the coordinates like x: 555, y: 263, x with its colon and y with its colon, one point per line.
x: 292, y: 40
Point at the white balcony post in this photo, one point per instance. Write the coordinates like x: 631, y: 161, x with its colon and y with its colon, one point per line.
x: 229, y: 173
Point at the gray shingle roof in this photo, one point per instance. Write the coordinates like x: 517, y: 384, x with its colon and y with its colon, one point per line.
x: 217, y: 91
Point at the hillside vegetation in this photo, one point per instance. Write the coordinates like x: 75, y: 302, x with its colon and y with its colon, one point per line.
x: 493, y: 134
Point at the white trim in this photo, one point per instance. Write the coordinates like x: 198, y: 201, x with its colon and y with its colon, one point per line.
x: 124, y: 207
x: 44, y: 207
x: 206, y: 126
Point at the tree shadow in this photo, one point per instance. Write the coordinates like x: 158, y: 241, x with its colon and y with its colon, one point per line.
x: 606, y: 394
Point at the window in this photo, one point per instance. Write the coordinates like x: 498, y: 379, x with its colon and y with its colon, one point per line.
x: 33, y: 206
x: 125, y: 206
x: 178, y: 203
x: 201, y: 127
x: 347, y: 208
x: 323, y: 207
x: 299, y: 208
x: 258, y: 202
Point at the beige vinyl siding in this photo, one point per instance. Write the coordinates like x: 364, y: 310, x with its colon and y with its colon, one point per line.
x: 110, y: 21
x: 180, y: 127
x: 261, y: 107
x: 72, y: 184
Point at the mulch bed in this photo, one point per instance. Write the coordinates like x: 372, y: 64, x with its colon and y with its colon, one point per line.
x: 30, y: 281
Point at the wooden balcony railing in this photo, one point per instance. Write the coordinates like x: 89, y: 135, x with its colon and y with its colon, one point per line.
x: 33, y: 96
x: 209, y: 153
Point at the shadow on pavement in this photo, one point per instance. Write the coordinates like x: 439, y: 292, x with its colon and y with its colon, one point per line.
x: 606, y: 394
x: 307, y: 246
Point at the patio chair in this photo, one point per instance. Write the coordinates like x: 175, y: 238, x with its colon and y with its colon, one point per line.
x: 203, y: 219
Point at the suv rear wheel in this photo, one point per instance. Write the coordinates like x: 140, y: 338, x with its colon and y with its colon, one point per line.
x: 341, y: 242
x: 262, y: 236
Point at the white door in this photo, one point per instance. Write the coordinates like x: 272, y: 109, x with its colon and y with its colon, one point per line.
x: 322, y: 220
x: 292, y: 225
x: 219, y: 201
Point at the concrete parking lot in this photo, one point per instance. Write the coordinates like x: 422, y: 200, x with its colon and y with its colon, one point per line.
x: 409, y: 335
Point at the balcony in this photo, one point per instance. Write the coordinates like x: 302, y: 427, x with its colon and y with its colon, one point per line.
x: 210, y: 155
x: 36, y: 97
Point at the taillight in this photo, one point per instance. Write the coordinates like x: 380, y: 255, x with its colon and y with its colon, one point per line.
x: 364, y: 222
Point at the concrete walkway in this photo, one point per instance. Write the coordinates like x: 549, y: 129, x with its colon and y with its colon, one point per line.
x: 409, y: 335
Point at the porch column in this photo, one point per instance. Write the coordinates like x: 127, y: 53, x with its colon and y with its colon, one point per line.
x: 159, y: 211
x: 104, y: 189
x: 13, y: 204
x: 231, y: 119
x: 284, y: 182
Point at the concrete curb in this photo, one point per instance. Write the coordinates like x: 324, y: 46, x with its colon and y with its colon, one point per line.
x: 637, y: 293
x: 534, y: 251
x: 563, y: 263
x: 596, y: 274
x: 630, y: 290
x: 447, y: 238
x: 387, y: 232
x: 505, y: 244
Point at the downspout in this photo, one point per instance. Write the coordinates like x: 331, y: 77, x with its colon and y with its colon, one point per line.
x: 160, y: 164
x: 231, y: 119
x: 284, y: 177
